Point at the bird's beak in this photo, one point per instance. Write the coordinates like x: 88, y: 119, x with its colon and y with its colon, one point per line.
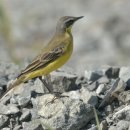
x: 77, y: 18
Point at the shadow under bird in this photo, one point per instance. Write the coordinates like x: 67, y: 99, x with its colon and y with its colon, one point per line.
x: 54, y: 55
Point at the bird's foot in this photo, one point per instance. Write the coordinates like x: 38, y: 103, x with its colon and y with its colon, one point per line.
x: 57, y: 95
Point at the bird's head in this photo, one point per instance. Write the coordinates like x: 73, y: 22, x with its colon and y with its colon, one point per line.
x: 65, y: 23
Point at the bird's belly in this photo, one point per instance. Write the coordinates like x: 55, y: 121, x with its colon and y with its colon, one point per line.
x: 51, y: 66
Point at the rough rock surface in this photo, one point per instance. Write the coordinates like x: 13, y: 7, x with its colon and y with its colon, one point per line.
x: 31, y: 107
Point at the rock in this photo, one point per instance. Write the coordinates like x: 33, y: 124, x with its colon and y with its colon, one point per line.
x: 103, y: 125
x: 26, y: 115
x: 34, y: 112
x: 92, y: 75
x: 65, y: 113
x: 3, y: 121
x: 108, y: 109
x: 124, y: 97
x: 117, y: 87
x: 103, y: 80
x: 6, y: 128
x: 81, y: 80
x: 63, y: 81
x: 93, y: 128
x: 32, y: 125
x: 123, y: 125
x: 112, y: 72
x: 24, y: 101
x: 92, y: 87
x: 9, y: 109
x: 101, y: 88
x: 19, y: 127
x: 124, y: 73
x: 123, y: 113
x: 91, y: 97
x: 112, y: 128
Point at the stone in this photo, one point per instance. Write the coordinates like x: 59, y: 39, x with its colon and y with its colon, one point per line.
x: 9, y: 109
x: 103, y: 125
x: 18, y: 127
x: 122, y: 125
x: 3, y: 121
x: 108, y: 109
x: 92, y: 75
x: 6, y: 128
x: 112, y: 128
x: 117, y: 87
x: 93, y: 128
x: 101, y: 88
x: 63, y: 81
x: 124, y: 73
x: 124, y: 97
x: 65, y: 113
x: 91, y: 87
x: 112, y: 72
x: 26, y: 115
x: 23, y: 101
x: 123, y: 113
x: 91, y: 97
x: 103, y: 80
x: 33, y: 125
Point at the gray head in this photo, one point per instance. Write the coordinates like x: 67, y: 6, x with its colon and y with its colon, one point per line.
x: 66, y: 22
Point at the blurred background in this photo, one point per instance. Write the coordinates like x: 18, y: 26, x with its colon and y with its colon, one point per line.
x: 101, y: 38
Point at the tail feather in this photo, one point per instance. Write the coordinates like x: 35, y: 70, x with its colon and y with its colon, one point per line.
x: 11, y: 87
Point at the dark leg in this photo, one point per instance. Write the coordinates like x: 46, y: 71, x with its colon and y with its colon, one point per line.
x: 46, y: 85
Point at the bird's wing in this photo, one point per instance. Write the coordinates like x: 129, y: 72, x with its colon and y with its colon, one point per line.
x: 45, y: 58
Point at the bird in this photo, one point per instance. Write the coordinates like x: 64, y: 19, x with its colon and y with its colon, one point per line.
x: 54, y: 55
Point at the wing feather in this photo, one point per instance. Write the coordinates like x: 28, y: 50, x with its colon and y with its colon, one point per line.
x: 44, y: 59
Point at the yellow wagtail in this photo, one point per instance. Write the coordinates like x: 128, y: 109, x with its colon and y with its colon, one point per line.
x: 53, y: 56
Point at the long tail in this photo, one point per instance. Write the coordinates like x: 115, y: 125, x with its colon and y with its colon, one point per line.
x: 11, y: 87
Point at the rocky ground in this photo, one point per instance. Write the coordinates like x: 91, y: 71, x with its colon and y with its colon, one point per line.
x: 29, y: 108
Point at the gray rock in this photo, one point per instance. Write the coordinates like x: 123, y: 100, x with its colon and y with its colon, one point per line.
x: 101, y: 88
x: 65, y: 113
x: 103, y: 125
x: 17, y: 127
x: 23, y: 101
x: 93, y: 75
x: 26, y: 115
x: 112, y: 72
x: 103, y: 80
x: 88, y: 97
x: 6, y: 128
x: 108, y: 109
x: 92, y: 86
x: 123, y: 125
x: 117, y: 87
x: 32, y: 125
x: 112, y: 128
x: 124, y: 73
x: 63, y: 81
x: 9, y: 109
x: 123, y: 113
x: 3, y: 120
x: 93, y: 128
x: 34, y: 112
x: 124, y: 96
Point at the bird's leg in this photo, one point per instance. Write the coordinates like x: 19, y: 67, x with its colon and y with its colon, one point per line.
x: 48, y: 80
x: 46, y: 85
